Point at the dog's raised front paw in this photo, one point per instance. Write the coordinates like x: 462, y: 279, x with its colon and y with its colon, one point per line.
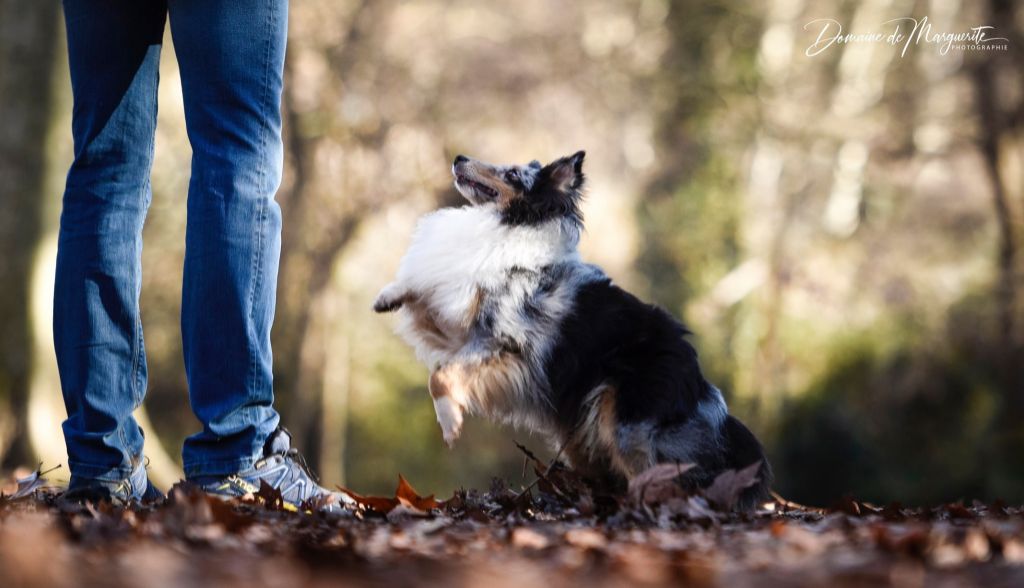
x: 389, y: 299
x: 386, y: 305
x: 449, y: 416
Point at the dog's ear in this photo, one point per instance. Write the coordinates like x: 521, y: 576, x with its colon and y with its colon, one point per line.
x: 567, y: 173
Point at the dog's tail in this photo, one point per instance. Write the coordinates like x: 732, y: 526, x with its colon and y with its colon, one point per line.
x: 742, y: 449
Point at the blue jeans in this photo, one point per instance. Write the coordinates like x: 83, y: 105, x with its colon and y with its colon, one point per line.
x: 231, y: 57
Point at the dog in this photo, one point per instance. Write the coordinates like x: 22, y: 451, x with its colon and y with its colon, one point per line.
x: 495, y: 299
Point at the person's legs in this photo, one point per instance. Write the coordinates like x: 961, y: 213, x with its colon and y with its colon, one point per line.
x: 114, y: 53
x: 231, y: 57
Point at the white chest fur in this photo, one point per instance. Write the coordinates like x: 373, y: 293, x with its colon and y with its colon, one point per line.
x: 457, y: 253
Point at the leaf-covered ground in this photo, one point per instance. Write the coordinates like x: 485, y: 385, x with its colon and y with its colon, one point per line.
x: 556, y: 532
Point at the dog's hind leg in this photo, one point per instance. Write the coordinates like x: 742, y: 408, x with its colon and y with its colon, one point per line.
x: 693, y: 441
x: 600, y: 439
x: 636, y: 447
x: 715, y: 447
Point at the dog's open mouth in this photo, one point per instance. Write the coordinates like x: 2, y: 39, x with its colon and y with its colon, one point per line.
x: 481, y: 188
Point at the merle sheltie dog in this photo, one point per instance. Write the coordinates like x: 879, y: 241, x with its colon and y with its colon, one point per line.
x: 514, y: 325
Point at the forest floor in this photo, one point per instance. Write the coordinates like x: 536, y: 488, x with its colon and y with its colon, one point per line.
x: 554, y: 533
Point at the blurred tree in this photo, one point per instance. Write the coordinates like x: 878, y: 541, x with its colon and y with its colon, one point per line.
x: 315, y: 233
x: 999, y: 105
x: 1000, y: 114
x: 28, y: 30
x: 691, y: 213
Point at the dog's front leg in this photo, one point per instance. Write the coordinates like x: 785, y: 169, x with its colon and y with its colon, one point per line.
x: 391, y: 298
x: 448, y: 389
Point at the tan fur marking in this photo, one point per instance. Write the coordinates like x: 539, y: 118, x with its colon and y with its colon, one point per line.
x: 486, y: 174
x: 449, y: 380
x: 507, y: 195
x: 493, y: 380
x: 426, y: 322
x: 475, y: 308
x: 499, y: 386
x: 595, y: 438
x: 482, y: 383
x: 437, y: 385
x: 448, y: 389
x: 436, y: 332
x: 605, y: 420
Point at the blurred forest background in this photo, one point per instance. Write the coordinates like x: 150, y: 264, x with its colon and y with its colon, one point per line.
x: 843, y: 232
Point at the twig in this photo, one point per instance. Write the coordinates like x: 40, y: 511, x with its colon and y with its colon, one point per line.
x: 42, y: 473
x: 541, y: 476
x: 794, y: 505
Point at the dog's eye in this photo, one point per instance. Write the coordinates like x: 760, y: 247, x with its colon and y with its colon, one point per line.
x: 512, y: 176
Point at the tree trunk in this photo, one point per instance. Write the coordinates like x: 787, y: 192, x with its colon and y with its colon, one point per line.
x: 28, y: 29
x: 307, y: 262
x: 996, y: 124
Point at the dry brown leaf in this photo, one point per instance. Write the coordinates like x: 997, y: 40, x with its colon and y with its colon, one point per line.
x: 30, y: 483
x: 270, y: 497
x: 378, y: 504
x: 586, y: 538
x: 725, y: 491
x: 847, y: 505
x: 404, y: 510
x: 318, y: 502
x: 527, y: 538
x: 658, y: 483
x: 405, y: 495
x: 1013, y: 551
x: 226, y: 515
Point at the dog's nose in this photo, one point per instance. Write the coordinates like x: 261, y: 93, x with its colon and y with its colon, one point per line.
x: 460, y: 159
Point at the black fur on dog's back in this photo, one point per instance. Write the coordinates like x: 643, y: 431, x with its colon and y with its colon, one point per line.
x: 611, y: 336
x: 661, y: 398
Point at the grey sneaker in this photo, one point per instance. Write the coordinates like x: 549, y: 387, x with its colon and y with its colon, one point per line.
x: 136, y: 488
x: 282, y: 468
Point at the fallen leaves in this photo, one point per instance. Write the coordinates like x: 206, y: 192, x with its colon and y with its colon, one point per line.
x: 405, y: 501
x: 555, y: 530
x: 27, y: 485
x: 586, y: 538
x: 658, y: 484
x: 528, y: 538
x: 270, y: 496
x: 725, y: 491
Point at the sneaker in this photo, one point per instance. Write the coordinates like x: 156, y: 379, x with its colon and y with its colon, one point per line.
x: 136, y: 488
x: 282, y: 468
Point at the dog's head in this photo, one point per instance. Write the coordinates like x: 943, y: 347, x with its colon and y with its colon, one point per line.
x: 524, y: 194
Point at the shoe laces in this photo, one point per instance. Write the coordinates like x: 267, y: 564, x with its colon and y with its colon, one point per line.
x: 299, y: 459
x: 124, y: 487
x: 296, y: 457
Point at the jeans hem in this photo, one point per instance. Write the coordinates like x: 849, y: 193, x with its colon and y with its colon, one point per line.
x: 100, y: 473
x: 225, y: 467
